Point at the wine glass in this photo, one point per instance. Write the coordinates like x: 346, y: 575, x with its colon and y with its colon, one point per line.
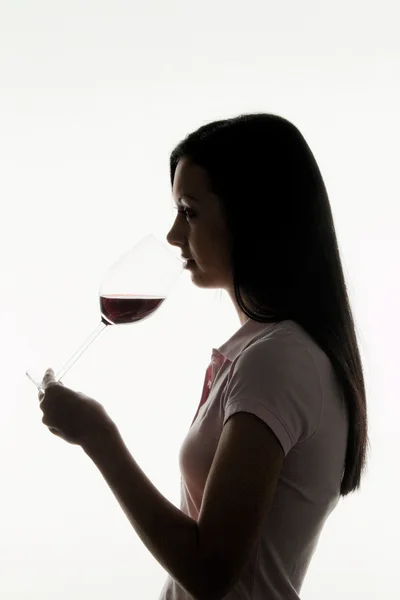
x: 132, y: 289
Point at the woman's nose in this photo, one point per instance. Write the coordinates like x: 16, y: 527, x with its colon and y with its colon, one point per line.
x: 174, y: 236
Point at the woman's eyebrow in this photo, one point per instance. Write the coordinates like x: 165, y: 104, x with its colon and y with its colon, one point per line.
x: 188, y: 196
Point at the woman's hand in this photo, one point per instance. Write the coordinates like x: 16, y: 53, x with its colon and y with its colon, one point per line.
x: 72, y: 416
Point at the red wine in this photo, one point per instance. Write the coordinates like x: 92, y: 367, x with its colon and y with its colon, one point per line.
x: 118, y: 309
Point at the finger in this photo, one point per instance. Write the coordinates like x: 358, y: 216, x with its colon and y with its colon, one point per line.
x: 49, y: 379
x: 54, y: 430
x: 49, y: 376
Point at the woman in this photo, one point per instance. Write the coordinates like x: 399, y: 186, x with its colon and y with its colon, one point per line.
x: 254, y: 219
x: 281, y: 430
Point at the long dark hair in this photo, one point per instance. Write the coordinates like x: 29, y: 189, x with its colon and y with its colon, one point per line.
x: 280, y: 222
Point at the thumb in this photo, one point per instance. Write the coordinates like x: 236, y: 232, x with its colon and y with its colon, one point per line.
x: 49, y: 376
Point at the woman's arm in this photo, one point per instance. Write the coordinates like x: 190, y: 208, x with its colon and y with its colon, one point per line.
x: 168, y: 533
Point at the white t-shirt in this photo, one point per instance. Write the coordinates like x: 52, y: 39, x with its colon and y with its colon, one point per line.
x: 277, y: 372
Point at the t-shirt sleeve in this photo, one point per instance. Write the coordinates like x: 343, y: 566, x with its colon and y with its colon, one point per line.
x: 279, y: 383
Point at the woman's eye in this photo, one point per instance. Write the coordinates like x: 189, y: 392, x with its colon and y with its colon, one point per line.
x: 186, y: 211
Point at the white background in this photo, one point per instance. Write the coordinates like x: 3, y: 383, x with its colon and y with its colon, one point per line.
x: 93, y: 97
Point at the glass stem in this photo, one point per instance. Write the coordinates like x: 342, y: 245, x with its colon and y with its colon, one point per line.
x: 74, y: 357
x: 81, y: 350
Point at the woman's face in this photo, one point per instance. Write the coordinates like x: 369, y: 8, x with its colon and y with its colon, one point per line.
x: 199, y: 229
